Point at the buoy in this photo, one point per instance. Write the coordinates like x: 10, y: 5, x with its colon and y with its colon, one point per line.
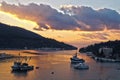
x: 52, y: 72
x: 37, y: 67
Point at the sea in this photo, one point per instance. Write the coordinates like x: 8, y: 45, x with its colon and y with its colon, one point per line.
x: 56, y: 65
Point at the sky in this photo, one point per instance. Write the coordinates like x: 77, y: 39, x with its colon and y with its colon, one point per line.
x: 76, y: 22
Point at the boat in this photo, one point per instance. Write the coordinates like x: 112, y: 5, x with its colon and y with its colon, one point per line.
x: 5, y: 56
x: 22, y: 66
x: 75, y: 59
x: 99, y: 59
x: 81, y: 66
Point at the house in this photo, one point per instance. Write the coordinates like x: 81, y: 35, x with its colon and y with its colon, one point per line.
x: 106, y: 51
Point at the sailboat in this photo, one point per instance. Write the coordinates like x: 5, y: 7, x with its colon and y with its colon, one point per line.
x: 75, y: 59
x: 22, y: 66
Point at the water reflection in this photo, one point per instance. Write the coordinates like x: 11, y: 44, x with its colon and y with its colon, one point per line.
x: 57, y: 66
x: 20, y: 73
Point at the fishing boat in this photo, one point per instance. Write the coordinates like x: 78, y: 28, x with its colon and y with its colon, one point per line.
x: 22, y: 66
x: 75, y: 59
x: 81, y: 66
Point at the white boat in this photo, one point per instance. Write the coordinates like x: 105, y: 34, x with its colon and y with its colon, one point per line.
x: 22, y: 66
x: 81, y: 66
x: 75, y: 59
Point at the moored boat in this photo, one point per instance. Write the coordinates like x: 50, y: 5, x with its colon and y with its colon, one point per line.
x: 75, y: 59
x: 105, y: 59
x: 19, y: 66
x: 22, y: 66
x: 81, y: 66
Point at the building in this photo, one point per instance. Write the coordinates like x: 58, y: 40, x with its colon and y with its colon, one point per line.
x: 106, y: 51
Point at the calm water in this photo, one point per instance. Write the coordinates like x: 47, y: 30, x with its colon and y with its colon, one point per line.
x: 59, y: 63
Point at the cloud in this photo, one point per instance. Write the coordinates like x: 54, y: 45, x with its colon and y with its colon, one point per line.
x: 44, y: 15
x: 72, y: 17
x: 91, y: 19
x: 96, y: 36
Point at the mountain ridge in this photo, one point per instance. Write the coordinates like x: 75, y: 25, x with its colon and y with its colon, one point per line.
x: 15, y: 37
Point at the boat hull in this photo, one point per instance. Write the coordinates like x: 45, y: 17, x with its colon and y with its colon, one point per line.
x: 81, y: 66
x: 22, y: 68
x: 85, y: 68
x: 105, y: 60
x: 77, y: 60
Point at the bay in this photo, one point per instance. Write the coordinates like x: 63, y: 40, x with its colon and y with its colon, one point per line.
x: 57, y: 62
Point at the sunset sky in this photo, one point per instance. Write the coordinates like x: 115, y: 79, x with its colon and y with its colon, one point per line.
x: 77, y: 22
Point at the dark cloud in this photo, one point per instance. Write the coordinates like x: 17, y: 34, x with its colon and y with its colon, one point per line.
x: 94, y: 19
x: 43, y: 15
x: 73, y: 18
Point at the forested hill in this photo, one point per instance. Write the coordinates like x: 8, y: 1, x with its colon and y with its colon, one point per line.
x: 12, y: 37
x: 95, y: 47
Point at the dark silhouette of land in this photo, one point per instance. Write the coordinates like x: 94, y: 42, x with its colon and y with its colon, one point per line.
x: 12, y: 37
x: 115, y: 45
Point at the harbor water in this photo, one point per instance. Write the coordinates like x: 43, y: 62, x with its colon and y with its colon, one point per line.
x: 55, y: 65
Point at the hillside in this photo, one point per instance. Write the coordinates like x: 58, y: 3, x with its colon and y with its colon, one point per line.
x: 115, y: 45
x: 12, y: 37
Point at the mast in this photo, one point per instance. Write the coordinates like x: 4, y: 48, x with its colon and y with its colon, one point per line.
x: 19, y: 57
x: 76, y: 53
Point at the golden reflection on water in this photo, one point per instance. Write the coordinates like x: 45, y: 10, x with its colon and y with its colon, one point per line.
x: 59, y: 63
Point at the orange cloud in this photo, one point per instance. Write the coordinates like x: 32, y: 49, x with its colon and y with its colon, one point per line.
x: 11, y: 19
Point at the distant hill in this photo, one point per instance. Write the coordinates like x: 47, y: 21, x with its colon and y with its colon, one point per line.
x: 115, y: 45
x: 12, y: 37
